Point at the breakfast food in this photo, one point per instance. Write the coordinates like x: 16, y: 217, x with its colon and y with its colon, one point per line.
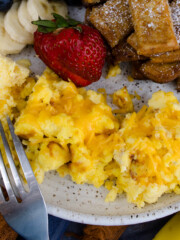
x: 123, y: 52
x: 66, y: 128
x: 167, y: 57
x: 73, y: 131
x: 113, y: 20
x: 76, y: 52
x: 150, y: 20
x: 156, y: 34
x: 91, y: 2
x: 15, y: 86
x: 161, y: 73
x: 8, y: 45
x: 16, y: 29
x: 25, y: 18
x: 44, y: 9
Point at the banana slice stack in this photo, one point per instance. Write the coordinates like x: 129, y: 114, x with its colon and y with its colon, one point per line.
x: 16, y: 29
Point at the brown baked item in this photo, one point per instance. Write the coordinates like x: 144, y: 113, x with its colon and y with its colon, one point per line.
x: 161, y: 73
x: 113, y: 20
x: 135, y: 71
x: 166, y: 57
x: 132, y: 40
x: 6, y: 233
x: 153, y: 26
x: 91, y: 2
x: 123, y: 52
x: 92, y: 232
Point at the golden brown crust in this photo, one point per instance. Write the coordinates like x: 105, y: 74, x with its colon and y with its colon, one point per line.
x: 161, y: 73
x: 103, y: 232
x: 153, y: 26
x: 91, y: 2
x: 132, y: 40
x: 123, y: 52
x: 166, y: 57
x: 6, y: 233
x: 113, y: 20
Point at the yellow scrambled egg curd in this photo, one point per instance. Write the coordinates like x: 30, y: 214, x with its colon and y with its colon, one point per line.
x: 15, y: 87
x: 14, y: 78
x: 147, y: 163
x: 67, y: 129
x: 123, y: 100
x: 73, y: 131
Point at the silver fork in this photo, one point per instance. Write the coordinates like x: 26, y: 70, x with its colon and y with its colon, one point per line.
x: 28, y: 217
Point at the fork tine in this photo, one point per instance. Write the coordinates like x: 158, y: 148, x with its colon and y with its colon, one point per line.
x: 1, y: 196
x: 11, y: 163
x: 6, y: 179
x: 28, y: 173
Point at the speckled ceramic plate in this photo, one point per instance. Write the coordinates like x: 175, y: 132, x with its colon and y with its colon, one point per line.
x: 85, y: 203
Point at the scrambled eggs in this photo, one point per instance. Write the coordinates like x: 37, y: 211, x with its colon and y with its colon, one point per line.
x: 67, y: 129
x: 74, y: 131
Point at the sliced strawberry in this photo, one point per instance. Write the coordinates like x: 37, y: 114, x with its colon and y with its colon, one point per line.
x: 76, y: 53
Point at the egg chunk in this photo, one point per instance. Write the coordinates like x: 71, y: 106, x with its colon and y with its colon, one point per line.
x: 147, y: 163
x: 67, y: 127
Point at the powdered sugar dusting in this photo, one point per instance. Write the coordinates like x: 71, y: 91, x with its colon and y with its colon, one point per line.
x: 153, y: 26
x: 113, y: 20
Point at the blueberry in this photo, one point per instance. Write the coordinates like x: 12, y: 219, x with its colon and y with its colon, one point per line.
x: 5, y: 4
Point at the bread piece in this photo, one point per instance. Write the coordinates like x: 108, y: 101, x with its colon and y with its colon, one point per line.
x: 166, y: 57
x: 153, y: 26
x: 6, y: 233
x: 132, y: 40
x: 113, y: 20
x: 161, y: 73
x: 123, y: 52
x: 91, y: 2
x: 135, y: 71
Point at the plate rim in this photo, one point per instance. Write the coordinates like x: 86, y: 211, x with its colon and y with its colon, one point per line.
x: 120, y: 220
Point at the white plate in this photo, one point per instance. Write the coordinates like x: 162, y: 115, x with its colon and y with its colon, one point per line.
x: 85, y: 203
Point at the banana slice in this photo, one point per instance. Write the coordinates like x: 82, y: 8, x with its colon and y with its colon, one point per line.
x: 14, y: 28
x: 60, y: 8
x: 44, y: 9
x: 39, y: 8
x: 8, y: 46
x: 25, y: 18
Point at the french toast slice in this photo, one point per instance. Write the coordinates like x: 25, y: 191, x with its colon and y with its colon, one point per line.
x: 153, y: 26
x: 113, y: 20
x: 167, y: 57
x: 161, y: 73
x: 132, y: 40
x: 123, y: 52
